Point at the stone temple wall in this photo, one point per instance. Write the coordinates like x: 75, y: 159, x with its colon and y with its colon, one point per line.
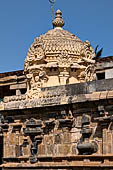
x: 73, y: 133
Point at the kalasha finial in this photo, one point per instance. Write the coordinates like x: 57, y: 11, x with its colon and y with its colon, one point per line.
x: 58, y: 21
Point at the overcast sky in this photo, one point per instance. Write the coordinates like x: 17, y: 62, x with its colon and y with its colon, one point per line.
x: 23, y: 20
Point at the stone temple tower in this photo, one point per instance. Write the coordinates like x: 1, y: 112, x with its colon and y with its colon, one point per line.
x: 55, y: 114
x: 58, y: 58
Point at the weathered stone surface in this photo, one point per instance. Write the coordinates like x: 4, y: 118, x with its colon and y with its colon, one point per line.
x: 12, y: 139
x: 74, y: 149
x: 66, y: 138
x: 50, y: 149
x: 63, y: 149
x: 42, y: 149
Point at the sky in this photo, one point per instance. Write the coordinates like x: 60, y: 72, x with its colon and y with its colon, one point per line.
x: 21, y: 21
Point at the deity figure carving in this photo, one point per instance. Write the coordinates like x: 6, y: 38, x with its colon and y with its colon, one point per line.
x: 34, y: 69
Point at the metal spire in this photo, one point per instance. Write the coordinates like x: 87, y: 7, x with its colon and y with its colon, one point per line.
x: 52, y: 3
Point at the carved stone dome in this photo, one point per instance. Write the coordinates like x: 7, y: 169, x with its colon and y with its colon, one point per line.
x: 58, y: 58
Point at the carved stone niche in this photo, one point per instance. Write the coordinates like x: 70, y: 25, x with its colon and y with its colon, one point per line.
x: 85, y: 147
x: 34, y: 131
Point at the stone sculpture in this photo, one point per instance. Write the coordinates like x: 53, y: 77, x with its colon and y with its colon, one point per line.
x: 57, y: 58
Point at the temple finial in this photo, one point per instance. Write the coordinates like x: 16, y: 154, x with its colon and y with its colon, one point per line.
x: 58, y: 22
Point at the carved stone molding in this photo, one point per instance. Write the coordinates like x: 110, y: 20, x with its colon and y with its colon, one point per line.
x: 65, y: 123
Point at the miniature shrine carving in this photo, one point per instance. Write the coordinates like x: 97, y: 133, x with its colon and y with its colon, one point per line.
x: 58, y: 58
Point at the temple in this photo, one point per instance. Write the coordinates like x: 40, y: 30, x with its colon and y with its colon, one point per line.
x: 57, y: 113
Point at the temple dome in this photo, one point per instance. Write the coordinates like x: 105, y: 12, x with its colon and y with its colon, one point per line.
x: 61, y: 50
x: 59, y: 41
